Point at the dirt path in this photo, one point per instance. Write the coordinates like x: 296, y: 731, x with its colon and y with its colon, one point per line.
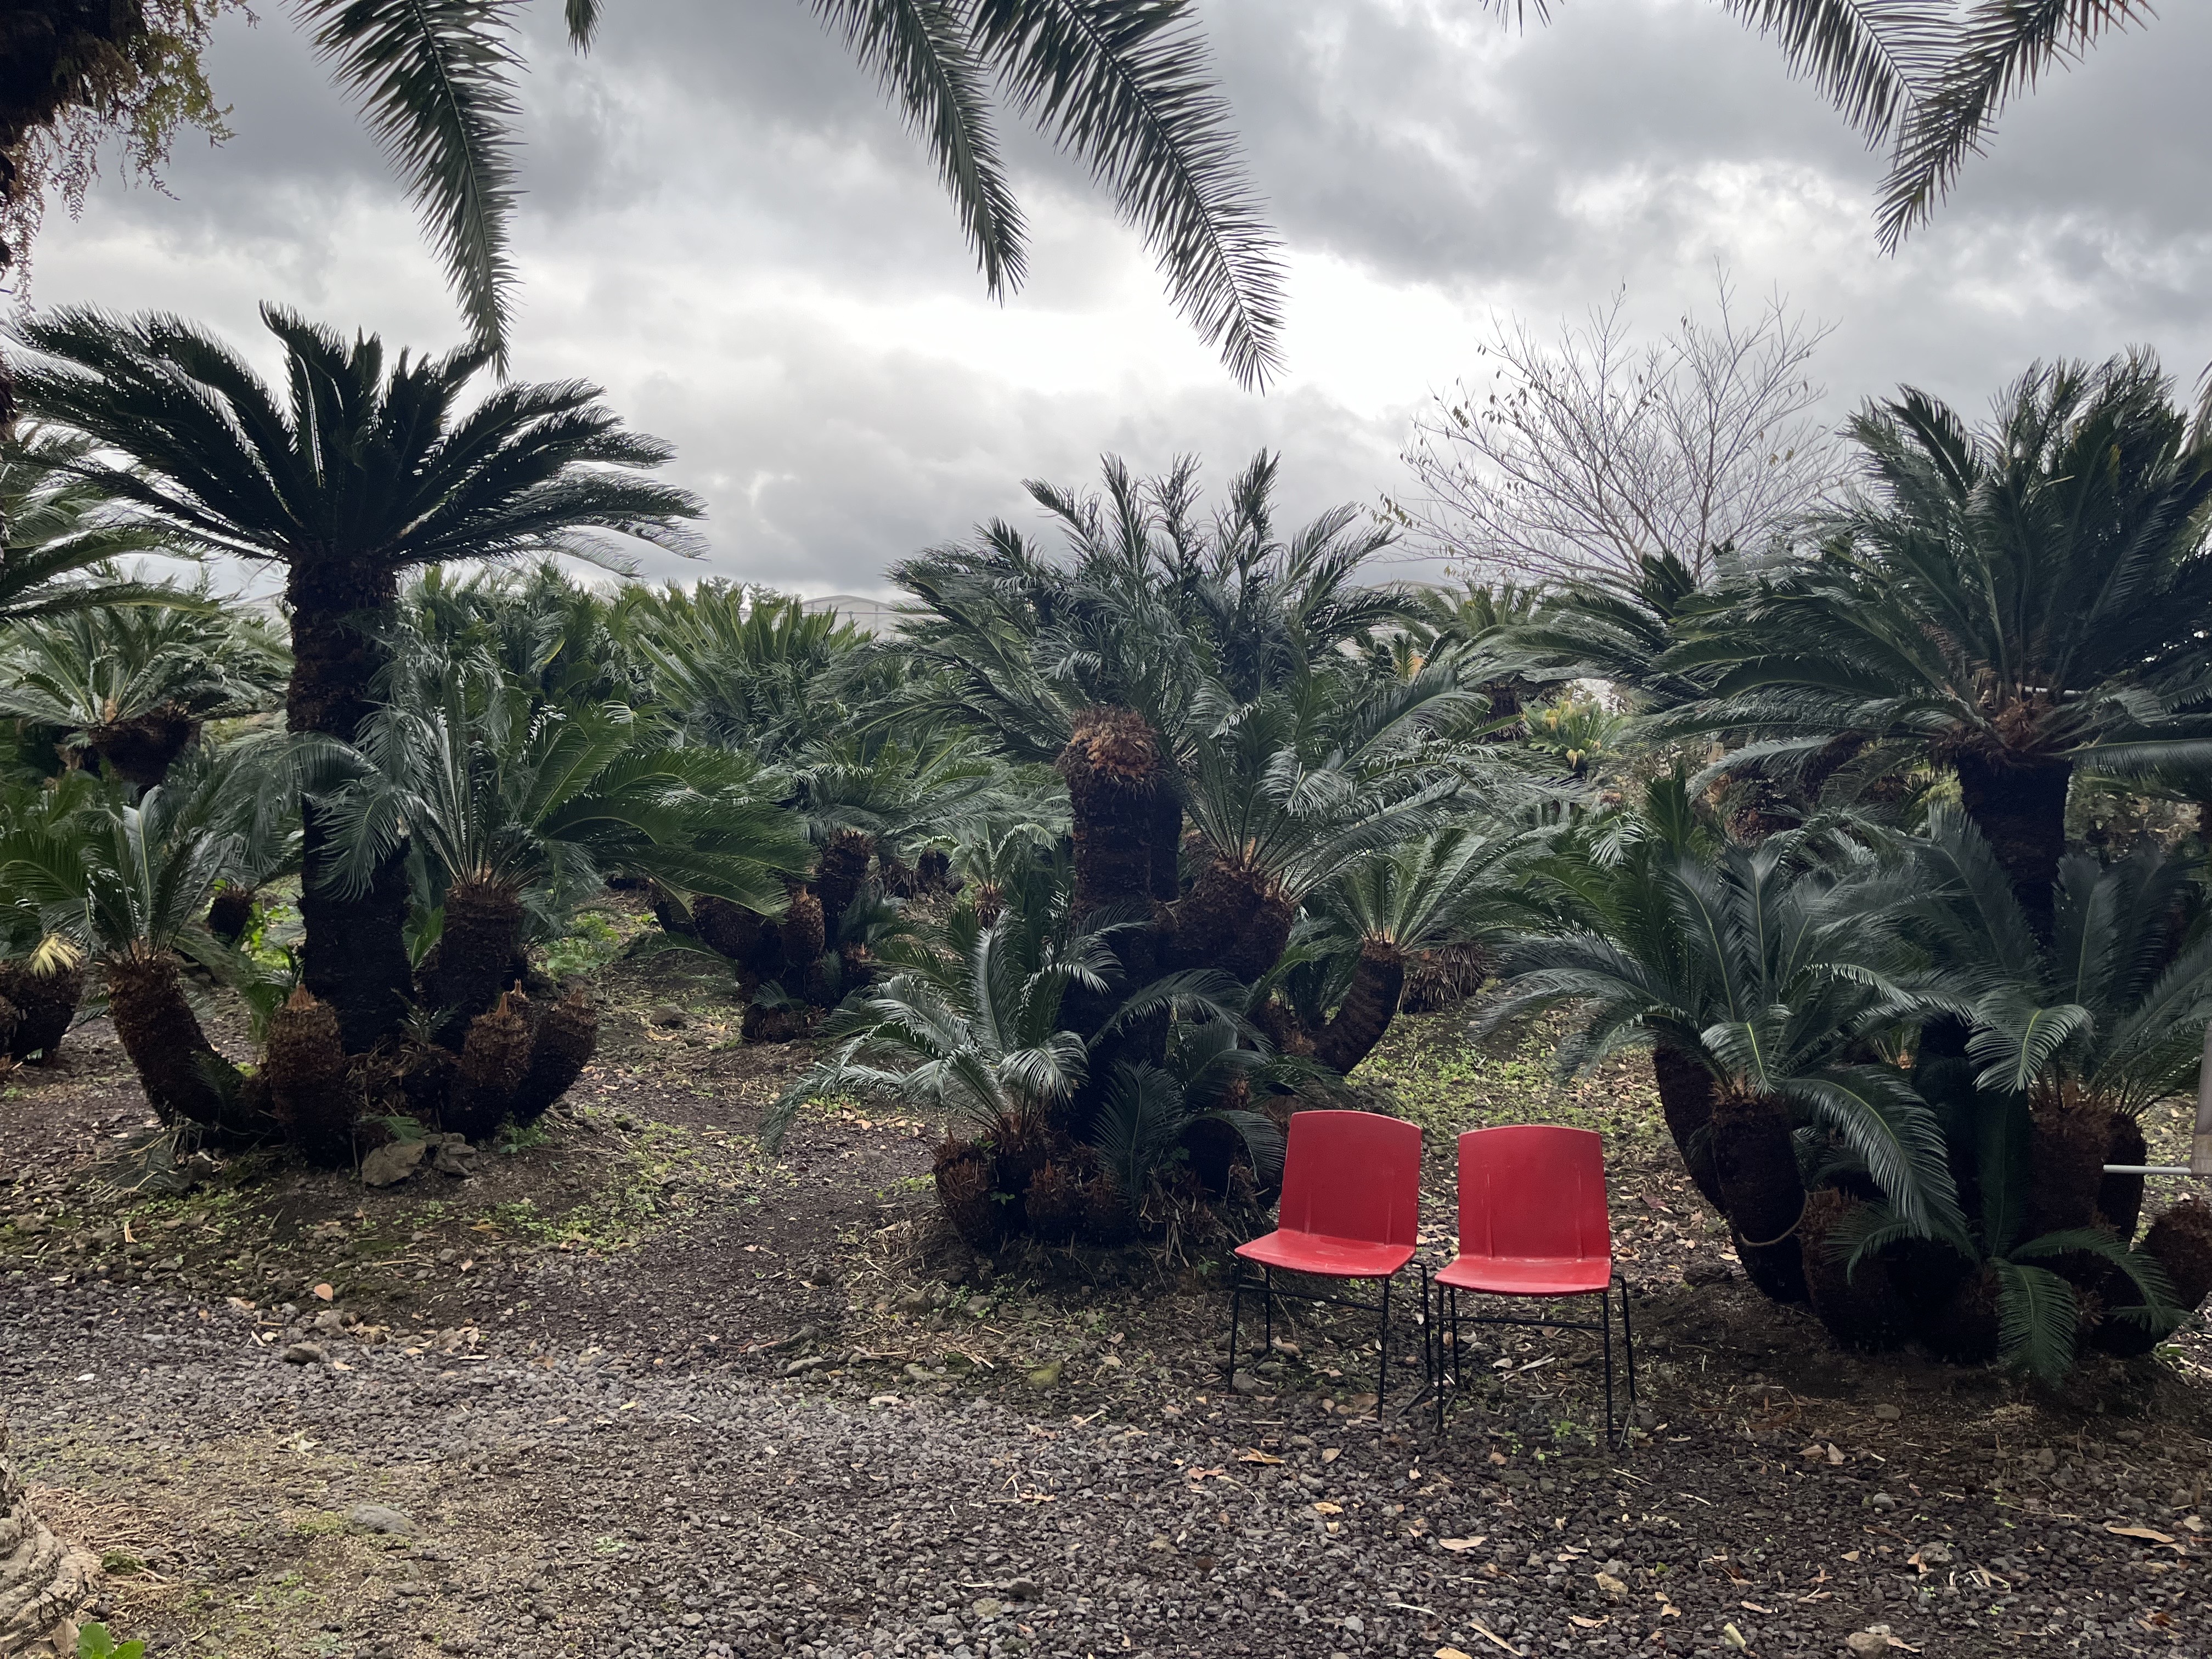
x: 635, y: 1391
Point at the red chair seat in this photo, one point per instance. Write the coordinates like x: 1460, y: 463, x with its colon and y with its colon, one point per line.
x: 1526, y: 1275
x: 1333, y: 1258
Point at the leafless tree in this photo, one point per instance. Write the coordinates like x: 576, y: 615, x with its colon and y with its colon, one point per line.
x: 1580, y: 456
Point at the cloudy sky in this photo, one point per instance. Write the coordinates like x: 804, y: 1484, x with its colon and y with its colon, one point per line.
x: 727, y: 228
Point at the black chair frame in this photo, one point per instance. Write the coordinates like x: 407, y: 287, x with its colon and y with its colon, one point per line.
x: 1445, y: 1329
x: 1268, y: 1292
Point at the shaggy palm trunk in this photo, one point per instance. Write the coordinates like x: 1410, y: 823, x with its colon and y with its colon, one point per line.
x: 141, y: 752
x: 1685, y: 1100
x: 230, y: 913
x: 43, y: 1583
x: 1112, y: 765
x: 45, y: 1006
x: 494, y: 1065
x: 2119, y: 1197
x: 2021, y: 810
x: 1167, y: 842
x: 475, y: 957
x: 1862, y: 1310
x: 1757, y: 1164
x: 1965, y: 1330
x: 1113, y: 772
x: 804, y: 938
x: 354, y: 951
x: 561, y: 1047
x: 162, y: 1037
x: 311, y: 1090
x: 1369, y: 1007
x: 1235, y: 920
x: 966, y: 1192
x: 838, y: 875
x: 2066, y: 1164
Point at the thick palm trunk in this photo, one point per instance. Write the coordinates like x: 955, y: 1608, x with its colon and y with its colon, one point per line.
x: 1685, y: 1100
x: 1112, y: 765
x: 162, y: 1037
x: 2119, y: 1197
x: 43, y: 1583
x: 230, y: 913
x: 354, y: 954
x: 45, y: 1006
x: 838, y: 875
x: 2067, y: 1150
x: 1863, y: 1310
x: 311, y: 1090
x: 1369, y: 1007
x: 1167, y: 842
x: 1233, y: 920
x: 1757, y: 1164
x: 475, y: 957
x: 2021, y: 811
x: 141, y: 752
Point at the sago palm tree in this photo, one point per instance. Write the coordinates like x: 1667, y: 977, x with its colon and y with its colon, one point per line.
x: 130, y: 883
x: 1770, y: 984
x: 133, y: 684
x: 2014, y: 602
x: 361, y: 470
x: 507, y: 806
x: 973, y: 1028
x: 2068, y: 1043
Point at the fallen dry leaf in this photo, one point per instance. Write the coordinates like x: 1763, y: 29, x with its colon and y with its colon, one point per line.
x: 1609, y: 1584
x: 1455, y: 1545
x: 1329, y: 1509
x: 1835, y: 1456
x: 1453, y: 1653
x: 1754, y: 1607
x: 2144, y: 1532
x: 1580, y: 1623
x: 325, y: 1293
x: 1257, y: 1456
x: 1490, y: 1635
x: 1331, y: 1455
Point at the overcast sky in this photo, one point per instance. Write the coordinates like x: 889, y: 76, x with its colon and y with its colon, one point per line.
x: 727, y: 228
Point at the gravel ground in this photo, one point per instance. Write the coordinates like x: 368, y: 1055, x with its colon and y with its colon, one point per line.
x: 701, y: 1406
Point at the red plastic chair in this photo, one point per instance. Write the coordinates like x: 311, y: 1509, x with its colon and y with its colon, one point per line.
x: 1533, y: 1222
x: 1350, y: 1206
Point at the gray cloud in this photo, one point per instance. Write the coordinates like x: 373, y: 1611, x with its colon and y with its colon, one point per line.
x: 726, y: 225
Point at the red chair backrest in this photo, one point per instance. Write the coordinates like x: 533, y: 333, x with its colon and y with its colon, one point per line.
x: 1532, y: 1189
x: 1353, y: 1175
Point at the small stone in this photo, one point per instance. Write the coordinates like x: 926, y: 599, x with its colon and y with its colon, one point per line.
x: 988, y: 1606
x: 1161, y: 1541
x: 1888, y: 1413
x: 392, y: 1163
x: 1046, y: 1376
x: 1706, y: 1272
x: 1936, y: 1555
x: 1882, y: 1500
x: 1022, y: 1590
x: 669, y: 1016
x: 330, y: 1322
x: 1245, y: 1383
x: 305, y: 1353
x: 376, y: 1517
x: 1865, y: 1644
x: 455, y: 1157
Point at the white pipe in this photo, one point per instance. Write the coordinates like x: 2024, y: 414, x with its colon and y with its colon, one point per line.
x: 2149, y: 1169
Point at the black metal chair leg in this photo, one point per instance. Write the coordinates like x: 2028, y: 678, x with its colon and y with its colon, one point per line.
x: 1605, y: 1318
x: 1628, y: 1334
x: 1236, y: 1311
x: 1382, y: 1369
x: 1267, y: 1296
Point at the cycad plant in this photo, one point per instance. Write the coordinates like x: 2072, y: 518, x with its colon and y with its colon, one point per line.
x: 2067, y: 1043
x: 2012, y: 601
x: 129, y: 885
x: 1456, y: 888
x: 42, y: 970
x: 972, y: 1029
x: 59, y: 530
x: 132, y: 685
x: 510, y: 807
x: 359, y: 471
x: 1766, y: 987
